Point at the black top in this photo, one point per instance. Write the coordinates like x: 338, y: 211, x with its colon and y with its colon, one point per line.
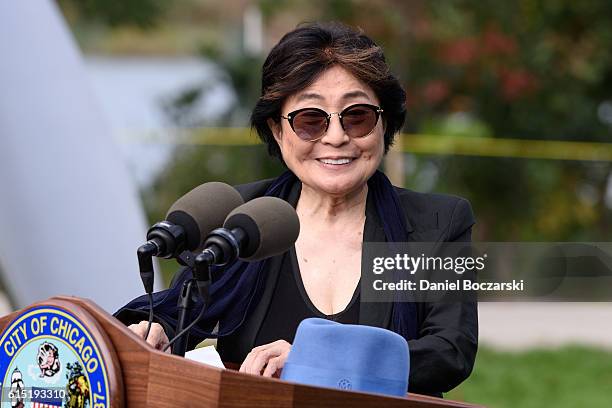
x: 290, y: 305
x: 443, y: 354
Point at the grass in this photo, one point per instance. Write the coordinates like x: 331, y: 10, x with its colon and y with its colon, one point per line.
x: 571, y: 376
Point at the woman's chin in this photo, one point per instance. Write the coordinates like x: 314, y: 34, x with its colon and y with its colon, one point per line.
x: 339, y: 186
x: 333, y: 181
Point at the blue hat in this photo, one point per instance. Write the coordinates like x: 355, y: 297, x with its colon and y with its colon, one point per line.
x: 349, y: 357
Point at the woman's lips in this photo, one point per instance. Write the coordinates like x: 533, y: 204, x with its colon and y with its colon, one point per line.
x: 336, y: 162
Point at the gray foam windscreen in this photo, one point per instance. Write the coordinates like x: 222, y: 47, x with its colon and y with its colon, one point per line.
x: 271, y: 224
x: 203, y: 209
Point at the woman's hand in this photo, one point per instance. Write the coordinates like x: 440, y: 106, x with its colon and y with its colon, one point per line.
x: 270, y: 356
x: 157, y: 336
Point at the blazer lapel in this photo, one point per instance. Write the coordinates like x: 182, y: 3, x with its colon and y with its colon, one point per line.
x: 376, y: 314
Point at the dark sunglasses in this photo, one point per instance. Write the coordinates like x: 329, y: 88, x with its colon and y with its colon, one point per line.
x: 310, y: 124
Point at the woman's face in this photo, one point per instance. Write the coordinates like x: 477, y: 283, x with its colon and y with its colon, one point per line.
x: 333, y: 91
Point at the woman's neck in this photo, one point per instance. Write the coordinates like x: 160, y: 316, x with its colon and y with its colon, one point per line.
x: 331, y: 209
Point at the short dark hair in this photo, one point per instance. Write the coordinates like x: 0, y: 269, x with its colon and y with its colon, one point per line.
x: 303, y: 54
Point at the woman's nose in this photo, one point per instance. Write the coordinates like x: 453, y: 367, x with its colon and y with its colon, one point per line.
x: 335, y: 135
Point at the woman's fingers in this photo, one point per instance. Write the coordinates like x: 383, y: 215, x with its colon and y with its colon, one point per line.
x: 270, y: 358
x: 248, y: 366
x: 247, y: 361
x: 274, y: 365
x: 260, y: 361
x: 157, y: 336
x: 136, y: 328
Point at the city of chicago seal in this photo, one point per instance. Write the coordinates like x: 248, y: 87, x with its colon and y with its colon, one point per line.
x: 48, y: 358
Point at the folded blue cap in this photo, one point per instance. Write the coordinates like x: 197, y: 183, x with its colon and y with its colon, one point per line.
x: 349, y: 357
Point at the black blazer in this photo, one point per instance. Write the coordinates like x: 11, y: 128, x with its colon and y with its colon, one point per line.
x: 443, y: 354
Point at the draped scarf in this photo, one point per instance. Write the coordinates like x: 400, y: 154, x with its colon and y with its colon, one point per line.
x: 236, y: 290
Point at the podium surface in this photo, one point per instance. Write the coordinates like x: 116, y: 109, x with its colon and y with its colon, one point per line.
x: 136, y: 375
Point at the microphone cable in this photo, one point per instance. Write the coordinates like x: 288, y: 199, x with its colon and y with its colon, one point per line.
x: 186, y: 329
x: 150, y: 323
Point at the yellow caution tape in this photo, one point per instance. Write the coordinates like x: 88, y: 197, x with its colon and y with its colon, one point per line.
x: 416, y: 144
x: 517, y: 148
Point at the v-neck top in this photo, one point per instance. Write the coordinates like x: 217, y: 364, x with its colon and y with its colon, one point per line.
x: 290, y: 305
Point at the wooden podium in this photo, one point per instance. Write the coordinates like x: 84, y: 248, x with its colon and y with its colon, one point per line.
x: 139, y: 376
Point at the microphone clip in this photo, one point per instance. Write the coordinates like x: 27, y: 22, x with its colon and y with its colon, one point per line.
x: 222, y: 246
x: 168, y: 237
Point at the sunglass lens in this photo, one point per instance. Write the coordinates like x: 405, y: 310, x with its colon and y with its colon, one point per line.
x: 359, y: 121
x: 309, y: 124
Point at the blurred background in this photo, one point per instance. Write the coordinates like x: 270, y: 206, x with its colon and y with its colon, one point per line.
x: 509, y: 105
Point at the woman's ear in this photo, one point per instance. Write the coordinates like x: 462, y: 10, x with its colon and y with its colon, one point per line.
x: 276, y: 129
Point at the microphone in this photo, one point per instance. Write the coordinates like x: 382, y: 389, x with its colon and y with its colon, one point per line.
x: 188, y: 222
x: 261, y: 228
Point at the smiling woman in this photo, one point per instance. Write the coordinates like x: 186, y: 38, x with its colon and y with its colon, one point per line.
x: 329, y: 110
x: 323, y: 155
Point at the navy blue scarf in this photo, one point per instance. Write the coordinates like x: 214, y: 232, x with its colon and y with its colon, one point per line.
x: 236, y: 290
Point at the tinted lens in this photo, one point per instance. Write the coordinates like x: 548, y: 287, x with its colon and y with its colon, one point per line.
x: 310, y: 124
x: 359, y: 121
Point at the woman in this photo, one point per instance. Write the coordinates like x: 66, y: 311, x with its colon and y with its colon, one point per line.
x: 329, y: 110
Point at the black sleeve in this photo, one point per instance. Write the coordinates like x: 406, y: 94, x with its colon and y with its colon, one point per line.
x: 443, y: 355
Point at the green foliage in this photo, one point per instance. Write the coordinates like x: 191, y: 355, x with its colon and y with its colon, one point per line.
x: 526, y: 69
x: 141, y: 13
x: 485, y: 69
x: 567, y: 377
x: 524, y: 200
x: 195, y: 165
